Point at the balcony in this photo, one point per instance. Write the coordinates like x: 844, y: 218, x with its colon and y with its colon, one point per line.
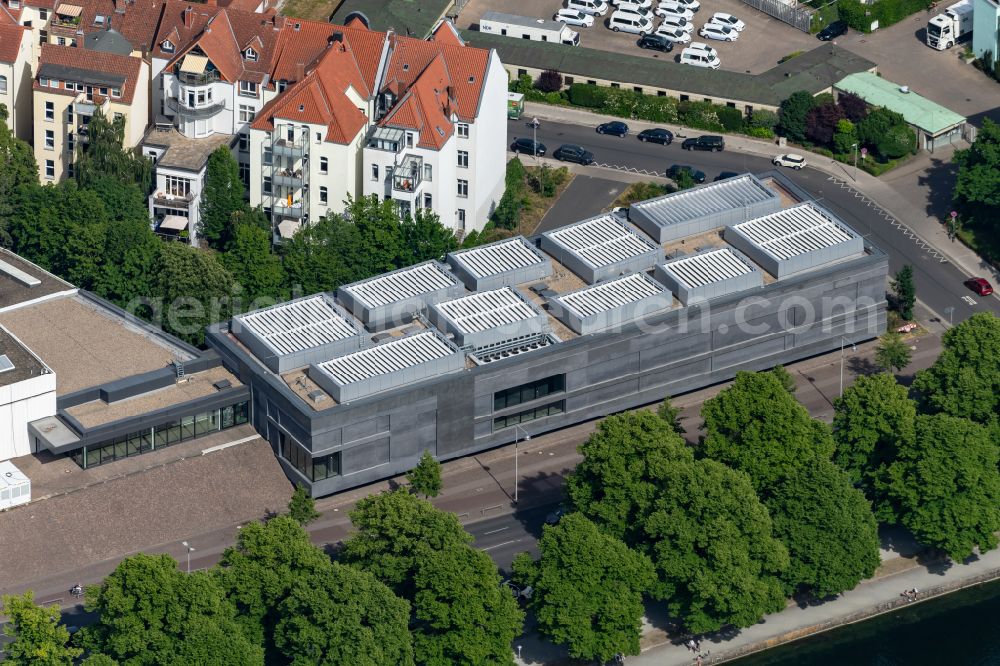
x: 287, y: 148
x: 286, y: 178
x: 168, y: 200
x: 294, y: 211
x: 388, y: 139
x: 407, y: 176
x: 204, y: 111
x: 67, y: 22
x: 202, y: 79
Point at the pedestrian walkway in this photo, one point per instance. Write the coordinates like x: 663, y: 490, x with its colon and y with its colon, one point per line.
x: 893, y: 201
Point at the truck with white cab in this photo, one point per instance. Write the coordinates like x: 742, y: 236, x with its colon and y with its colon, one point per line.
x: 944, y: 30
x: 525, y: 27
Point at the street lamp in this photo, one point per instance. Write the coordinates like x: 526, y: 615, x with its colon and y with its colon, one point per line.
x: 855, y: 147
x: 516, y: 475
x: 190, y: 550
x: 519, y: 653
x: 949, y: 311
x: 854, y: 347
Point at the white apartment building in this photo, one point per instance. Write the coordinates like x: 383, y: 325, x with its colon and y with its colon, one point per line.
x: 15, y: 78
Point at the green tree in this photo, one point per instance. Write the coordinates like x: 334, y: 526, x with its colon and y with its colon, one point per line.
x: 977, y: 189
x: 196, y: 290
x: 870, y: 421
x: 829, y: 530
x: 671, y: 414
x: 845, y: 137
x: 152, y: 613
x: 38, y: 638
x: 395, y: 532
x: 899, y: 140
x: 322, y: 256
x: 379, y: 233
x: 99, y: 659
x: 221, y: 197
x: 785, y: 377
x: 792, y: 115
x: 302, y: 506
x: 877, y: 124
x: 622, y: 470
x: 131, y: 252
x: 259, y: 571
x: 103, y: 155
x: 588, y: 589
x: 965, y: 379
x: 250, y: 260
x: 892, y: 354
x: 712, y: 545
x: 947, y: 485
x: 756, y: 426
x: 425, y: 478
x: 423, y: 237
x: 684, y: 180
x: 461, y: 613
x: 17, y: 168
x: 340, y: 615
x: 905, y: 291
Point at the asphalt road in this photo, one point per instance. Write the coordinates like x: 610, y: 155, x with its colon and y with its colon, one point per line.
x: 939, y: 285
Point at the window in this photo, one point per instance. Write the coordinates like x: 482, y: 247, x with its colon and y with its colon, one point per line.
x: 118, y: 116
x: 250, y: 55
x: 324, y: 165
x: 463, y: 130
x: 99, y: 20
x: 616, y: 85
x: 463, y: 188
x: 70, y: 142
x: 521, y: 72
x: 70, y: 170
x: 463, y: 159
x: 50, y: 169
x: 409, y: 139
x: 178, y: 187
x: 461, y: 219
x: 50, y: 139
x: 527, y: 392
x: 104, y: 91
x: 427, y: 200
x: 529, y: 415
x: 282, y: 84
x: 314, y: 469
x: 50, y: 111
x: 591, y: 82
x: 375, y: 172
x: 244, y: 143
x: 245, y: 174
x: 61, y: 41
x: 428, y: 172
x: 3, y: 84
x: 637, y: 89
x: 684, y: 98
x: 661, y: 93
x: 247, y: 113
x: 267, y: 157
x: 43, y: 14
x: 266, y: 188
x: 69, y: 113
x: 248, y: 88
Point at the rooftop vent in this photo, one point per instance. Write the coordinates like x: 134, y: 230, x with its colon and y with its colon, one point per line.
x: 317, y: 396
x: 5, y: 364
x: 302, y: 107
x: 904, y: 89
x: 406, y: 67
x: 472, y: 79
x: 222, y: 384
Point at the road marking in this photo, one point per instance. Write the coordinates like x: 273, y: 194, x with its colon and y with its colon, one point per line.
x: 505, y: 543
x: 969, y: 299
x: 497, y: 530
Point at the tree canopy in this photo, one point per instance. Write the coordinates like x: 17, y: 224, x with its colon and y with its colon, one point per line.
x: 103, y: 155
x: 792, y: 115
x: 587, y: 589
x: 977, y: 190
x: 425, y: 478
x: 221, y: 197
x: 302, y: 507
x: 38, y: 638
x: 892, y: 353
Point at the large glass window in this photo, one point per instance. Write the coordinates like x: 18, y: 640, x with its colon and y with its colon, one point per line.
x: 527, y: 392
x: 511, y: 420
x: 314, y: 469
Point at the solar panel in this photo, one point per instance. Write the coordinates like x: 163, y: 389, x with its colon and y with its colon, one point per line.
x: 794, y: 231
x: 386, y: 358
x: 709, y: 199
x: 496, y: 258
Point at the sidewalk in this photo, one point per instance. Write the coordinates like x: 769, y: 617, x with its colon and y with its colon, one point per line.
x: 930, y: 230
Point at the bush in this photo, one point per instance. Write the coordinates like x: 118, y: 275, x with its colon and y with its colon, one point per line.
x: 764, y: 118
x: 845, y: 137
x: 792, y: 119
x: 558, y: 98
x: 821, y: 123
x: 887, y: 12
x: 854, y: 107
x: 700, y: 115
x: 760, y: 133
x: 793, y: 54
x: 523, y: 84
x: 549, y: 81
x: 514, y: 178
x: 898, y: 141
x: 731, y: 119
x: 586, y: 95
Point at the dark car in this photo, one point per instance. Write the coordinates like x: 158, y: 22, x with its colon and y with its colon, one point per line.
x: 569, y: 152
x: 727, y: 174
x: 676, y: 170
x: 615, y: 127
x: 979, y: 285
x: 705, y: 142
x: 657, y: 135
x: 528, y: 147
x: 832, y: 31
x: 656, y: 42
x: 553, y: 517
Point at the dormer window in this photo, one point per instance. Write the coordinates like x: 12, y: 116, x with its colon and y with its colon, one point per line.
x: 250, y: 54
x: 15, y: 4
x: 168, y: 46
x: 99, y: 20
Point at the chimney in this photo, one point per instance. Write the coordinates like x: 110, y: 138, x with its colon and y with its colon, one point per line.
x: 186, y: 17
x: 119, y: 6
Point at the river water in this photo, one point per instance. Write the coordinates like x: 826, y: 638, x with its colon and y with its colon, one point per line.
x: 961, y: 629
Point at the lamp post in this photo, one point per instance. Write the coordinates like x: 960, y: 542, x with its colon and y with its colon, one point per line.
x: 949, y: 311
x: 854, y: 347
x: 534, y: 138
x: 190, y: 550
x: 855, y: 147
x: 516, y: 475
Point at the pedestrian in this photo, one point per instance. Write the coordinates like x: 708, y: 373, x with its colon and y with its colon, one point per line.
x: 691, y: 645
x: 697, y: 646
x: 915, y: 593
x: 699, y: 660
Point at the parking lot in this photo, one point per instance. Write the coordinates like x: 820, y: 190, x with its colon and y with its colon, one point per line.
x: 762, y: 43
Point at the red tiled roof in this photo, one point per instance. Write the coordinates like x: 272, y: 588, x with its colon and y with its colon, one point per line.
x: 466, y: 67
x: 224, y: 38
x: 445, y: 33
x: 305, y: 45
x: 41, y: 4
x: 10, y: 42
x: 96, y: 61
x: 9, y: 16
x: 425, y: 107
x: 181, y: 23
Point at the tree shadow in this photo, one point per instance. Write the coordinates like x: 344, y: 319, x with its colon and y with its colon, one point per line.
x: 806, y: 600
x: 897, y: 539
x: 938, y: 181
x: 862, y: 366
x: 935, y: 561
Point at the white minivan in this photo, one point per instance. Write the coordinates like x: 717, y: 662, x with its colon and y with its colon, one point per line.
x: 630, y: 22
x: 673, y: 34
x: 635, y: 7
x: 594, y: 7
x: 672, y: 8
x: 699, y: 58
x: 641, y: 4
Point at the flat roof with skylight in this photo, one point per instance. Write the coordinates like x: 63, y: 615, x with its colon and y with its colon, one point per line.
x: 612, y: 303
x: 601, y: 247
x: 393, y: 298
x: 488, y: 317
x: 714, y: 273
x: 703, y: 208
x: 501, y: 264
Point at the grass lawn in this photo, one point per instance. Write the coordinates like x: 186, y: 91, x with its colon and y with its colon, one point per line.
x: 539, y: 205
x: 314, y: 10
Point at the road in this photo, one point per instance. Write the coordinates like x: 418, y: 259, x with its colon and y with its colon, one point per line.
x: 939, y: 285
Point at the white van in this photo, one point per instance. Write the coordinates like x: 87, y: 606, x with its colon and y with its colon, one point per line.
x: 593, y: 7
x: 630, y: 22
x: 699, y: 58
x: 642, y: 4
x: 672, y: 8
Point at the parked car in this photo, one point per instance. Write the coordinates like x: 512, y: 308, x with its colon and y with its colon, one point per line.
x: 518, y: 592
x: 676, y: 170
x: 678, y: 22
x: 718, y: 32
x: 633, y: 5
x: 674, y: 34
x: 727, y: 20
x: 699, y: 58
x: 979, y: 285
x: 655, y: 42
x: 657, y: 135
x: 790, y: 160
x: 615, y: 127
x: 674, y: 8
x: 528, y: 147
x: 553, y: 517
x: 710, y: 142
x: 574, y: 17
x: 703, y: 47
x: 630, y: 22
x: 693, y: 5
x: 726, y: 174
x: 593, y: 7
x: 832, y: 31
x: 569, y: 152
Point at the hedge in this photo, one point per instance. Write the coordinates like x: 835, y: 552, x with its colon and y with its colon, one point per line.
x: 887, y: 12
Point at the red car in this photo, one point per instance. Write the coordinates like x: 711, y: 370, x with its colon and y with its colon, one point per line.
x: 979, y: 285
